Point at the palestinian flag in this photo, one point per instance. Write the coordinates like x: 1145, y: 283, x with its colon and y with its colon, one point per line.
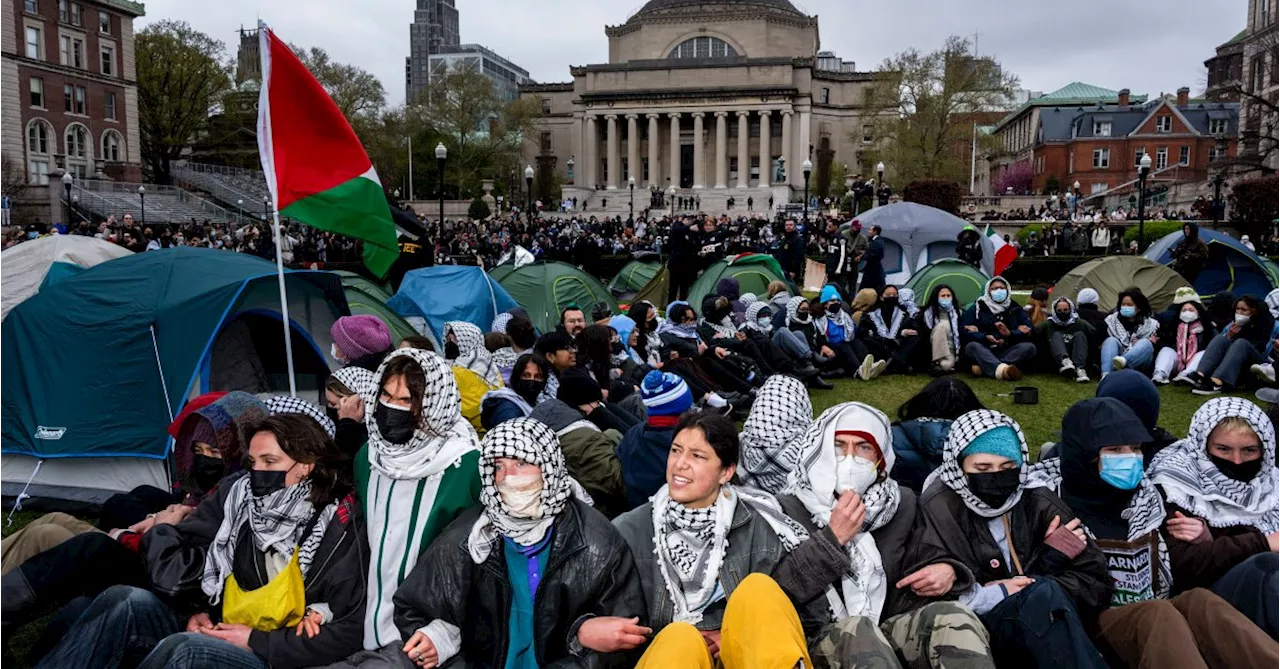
x: 316, y: 168
x: 1004, y: 253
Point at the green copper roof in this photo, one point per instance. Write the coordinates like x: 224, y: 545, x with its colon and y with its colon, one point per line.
x: 1080, y: 91
x: 1239, y: 37
x: 1073, y: 94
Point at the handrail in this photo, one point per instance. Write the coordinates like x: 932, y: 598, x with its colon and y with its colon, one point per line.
x: 216, y: 188
x: 186, y: 197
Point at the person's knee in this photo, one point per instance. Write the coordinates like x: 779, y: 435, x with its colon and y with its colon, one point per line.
x: 1267, y: 563
x: 758, y: 585
x: 1047, y: 593
x: 678, y: 636
x: 127, y: 595
x: 43, y: 537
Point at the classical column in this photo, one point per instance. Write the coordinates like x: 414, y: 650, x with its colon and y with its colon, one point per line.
x: 802, y: 148
x: 786, y: 145
x: 633, y: 149
x: 591, y: 153
x: 766, y: 150
x: 654, y: 179
x: 611, y: 138
x: 699, y: 171
x: 674, y: 157
x: 722, y: 148
x: 744, y: 153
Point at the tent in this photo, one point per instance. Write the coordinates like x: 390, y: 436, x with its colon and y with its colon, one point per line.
x: 545, y: 288
x: 916, y: 235
x: 1231, y: 265
x: 656, y: 290
x: 31, y: 266
x: 432, y: 296
x: 754, y: 272
x: 633, y: 276
x: 364, y: 285
x: 96, y: 367
x: 964, y: 280
x: 1112, y: 274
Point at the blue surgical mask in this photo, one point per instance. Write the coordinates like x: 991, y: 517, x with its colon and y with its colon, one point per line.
x: 999, y: 295
x: 944, y: 303
x: 1123, y: 471
x: 1128, y: 312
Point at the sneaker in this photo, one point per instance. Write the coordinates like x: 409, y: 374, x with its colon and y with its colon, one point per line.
x: 1118, y: 363
x: 864, y: 370
x: 1068, y: 368
x: 1160, y: 379
x: 878, y: 368
x: 1207, y: 388
x: 1192, y: 379
x: 1008, y: 373
x: 1082, y: 376
x: 1265, y: 372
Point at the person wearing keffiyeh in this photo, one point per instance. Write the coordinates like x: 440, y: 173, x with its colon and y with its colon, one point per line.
x: 941, y: 318
x: 347, y: 392
x: 1099, y: 474
x: 996, y: 334
x: 474, y: 370
x: 891, y: 331
x: 786, y: 353
x: 1067, y: 336
x: 770, y: 439
x: 1131, y: 334
x: 532, y: 577
x: 1184, y: 337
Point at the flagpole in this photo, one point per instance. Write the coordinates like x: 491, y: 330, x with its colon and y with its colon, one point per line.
x: 284, y: 305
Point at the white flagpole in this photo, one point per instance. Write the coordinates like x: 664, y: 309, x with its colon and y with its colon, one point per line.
x: 268, y: 167
x: 284, y: 305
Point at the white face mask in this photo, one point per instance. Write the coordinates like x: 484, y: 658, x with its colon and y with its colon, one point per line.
x: 1241, y: 319
x: 522, y: 495
x: 854, y: 473
x: 1189, y: 316
x: 764, y: 324
x: 333, y: 351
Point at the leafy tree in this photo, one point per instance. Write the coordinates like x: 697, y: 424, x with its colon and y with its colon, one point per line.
x: 478, y: 210
x: 182, y: 75
x: 1253, y: 205
x: 937, y: 193
x: 1016, y: 176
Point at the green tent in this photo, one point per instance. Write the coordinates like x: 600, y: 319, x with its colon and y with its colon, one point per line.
x: 1112, y: 274
x: 545, y: 288
x: 377, y: 291
x: 966, y: 281
x: 656, y: 290
x: 363, y: 303
x: 754, y: 272
x: 633, y: 276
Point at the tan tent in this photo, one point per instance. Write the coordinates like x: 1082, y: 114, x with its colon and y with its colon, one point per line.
x: 1113, y: 274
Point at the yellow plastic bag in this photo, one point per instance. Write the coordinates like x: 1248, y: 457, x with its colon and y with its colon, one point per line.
x: 472, y: 389
x: 279, y: 604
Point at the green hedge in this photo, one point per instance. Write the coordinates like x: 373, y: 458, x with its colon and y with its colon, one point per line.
x: 1152, y: 231
x: 1026, y: 231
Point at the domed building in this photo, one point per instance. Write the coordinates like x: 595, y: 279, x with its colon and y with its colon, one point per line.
x: 716, y: 99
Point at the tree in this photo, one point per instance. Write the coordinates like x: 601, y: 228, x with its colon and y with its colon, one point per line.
x: 936, y: 193
x: 1253, y: 205
x: 478, y: 210
x: 182, y: 75
x: 356, y: 92
x: 1016, y: 177
x: 923, y: 103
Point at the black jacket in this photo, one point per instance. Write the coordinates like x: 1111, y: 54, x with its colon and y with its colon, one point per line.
x: 791, y: 255
x: 590, y: 572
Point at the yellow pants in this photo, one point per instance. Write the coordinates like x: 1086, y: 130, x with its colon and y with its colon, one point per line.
x: 39, y: 536
x: 761, y: 630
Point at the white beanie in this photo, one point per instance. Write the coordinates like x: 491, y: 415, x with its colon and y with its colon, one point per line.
x: 1087, y: 296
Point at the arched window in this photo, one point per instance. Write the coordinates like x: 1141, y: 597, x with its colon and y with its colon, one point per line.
x: 112, y: 146
x: 38, y: 137
x: 41, y: 145
x: 77, y: 142
x: 703, y: 47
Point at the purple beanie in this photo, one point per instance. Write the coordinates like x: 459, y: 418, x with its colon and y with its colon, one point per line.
x: 358, y: 336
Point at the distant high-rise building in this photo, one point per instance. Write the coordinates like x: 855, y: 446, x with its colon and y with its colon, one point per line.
x: 507, y: 77
x: 434, y: 29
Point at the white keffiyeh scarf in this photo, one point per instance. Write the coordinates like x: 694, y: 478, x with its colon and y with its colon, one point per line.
x: 996, y: 308
x: 964, y: 430
x: 443, y: 435
x: 360, y: 381
x: 887, y: 330
x: 725, y: 329
x: 1117, y: 330
x: 770, y: 439
x: 930, y: 321
x: 793, y: 311
x: 752, y: 321
x: 285, y: 404
x: 472, y: 354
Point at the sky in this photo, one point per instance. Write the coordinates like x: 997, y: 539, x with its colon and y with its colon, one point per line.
x: 1148, y: 48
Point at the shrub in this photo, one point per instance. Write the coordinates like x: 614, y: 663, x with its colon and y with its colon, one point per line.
x: 937, y: 193
x: 1029, y: 228
x: 478, y: 210
x: 1152, y: 231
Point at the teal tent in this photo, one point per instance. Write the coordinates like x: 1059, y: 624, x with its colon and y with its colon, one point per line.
x: 96, y: 366
x: 429, y: 297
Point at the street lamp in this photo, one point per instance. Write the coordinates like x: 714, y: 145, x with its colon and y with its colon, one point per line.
x: 66, y: 185
x: 1217, y: 199
x: 142, y: 200
x: 1144, y: 168
x: 1075, y: 204
x: 569, y: 164
x: 441, y: 154
x: 631, y: 185
x: 807, y: 167
x: 528, y: 193
x: 239, y: 211
x: 879, y: 181
x: 266, y: 208
x: 671, y: 195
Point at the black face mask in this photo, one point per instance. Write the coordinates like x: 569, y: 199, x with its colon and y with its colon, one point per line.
x: 529, y: 389
x: 332, y: 413
x: 451, y: 350
x: 1243, y: 472
x: 993, y: 488
x: 616, y: 347
x: 1063, y: 315
x: 833, y: 309
x: 889, y: 302
x: 206, y: 471
x: 394, y: 424
x: 262, y: 484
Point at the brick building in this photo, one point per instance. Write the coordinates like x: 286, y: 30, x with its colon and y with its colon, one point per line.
x: 71, y: 97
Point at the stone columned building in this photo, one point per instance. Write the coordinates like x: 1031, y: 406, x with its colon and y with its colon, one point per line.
x: 716, y: 99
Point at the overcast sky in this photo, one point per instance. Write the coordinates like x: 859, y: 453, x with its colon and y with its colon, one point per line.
x: 1149, y: 48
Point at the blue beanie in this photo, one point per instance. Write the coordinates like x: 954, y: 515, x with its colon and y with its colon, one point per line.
x: 665, y: 394
x: 1001, y: 441
x: 829, y: 293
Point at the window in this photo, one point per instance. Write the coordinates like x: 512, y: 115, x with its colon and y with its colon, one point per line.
x: 37, y: 92
x: 1162, y: 157
x: 1217, y: 126
x: 826, y: 95
x: 108, y: 59
x: 1102, y: 128
x: 1164, y: 123
x: 1255, y: 74
x: 32, y: 6
x: 546, y: 105
x: 64, y: 51
x: 1101, y: 159
x: 77, y: 53
x: 38, y: 138
x: 1218, y: 152
x: 77, y: 142
x: 104, y: 23
x: 867, y: 132
x: 68, y: 94
x: 703, y: 47
x: 79, y: 107
x: 1137, y: 155
x: 38, y: 172
x: 75, y: 14
x: 1184, y: 155
x: 33, y: 42
x: 109, y: 105
x: 111, y: 146
x: 62, y: 10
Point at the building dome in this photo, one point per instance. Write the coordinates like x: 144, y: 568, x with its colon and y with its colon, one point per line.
x: 659, y: 7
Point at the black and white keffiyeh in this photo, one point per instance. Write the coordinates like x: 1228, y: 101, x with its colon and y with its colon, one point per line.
x: 359, y: 381
x: 863, y: 587
x: 472, y: 354
x: 443, y: 434
x: 887, y: 330
x: 691, y: 542
x: 930, y: 321
x: 907, y: 299
x: 840, y: 318
x: 752, y: 321
x: 276, y: 521
x: 1273, y: 302
x: 996, y: 308
x: 1053, y: 312
x: 1117, y: 330
x: 533, y: 442
x: 725, y: 329
x: 500, y: 323
x: 770, y: 439
x: 1191, y: 481
x: 964, y: 430
x: 680, y: 330
x: 284, y: 404
x: 793, y: 311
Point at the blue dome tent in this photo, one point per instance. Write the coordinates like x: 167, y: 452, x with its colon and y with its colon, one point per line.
x: 432, y: 296
x: 1231, y: 265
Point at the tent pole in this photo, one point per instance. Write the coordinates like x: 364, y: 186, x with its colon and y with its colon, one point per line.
x: 284, y: 305
x: 164, y: 385
x: 17, y: 503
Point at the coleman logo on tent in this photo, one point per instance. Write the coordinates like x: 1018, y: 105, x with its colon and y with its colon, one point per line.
x: 50, y: 433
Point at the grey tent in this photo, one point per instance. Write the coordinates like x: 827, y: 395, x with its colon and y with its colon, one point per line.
x: 916, y: 235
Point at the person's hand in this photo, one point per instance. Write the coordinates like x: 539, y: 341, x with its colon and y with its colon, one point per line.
x: 992, y: 340
x: 236, y: 635
x: 1015, y: 584
x: 1027, y: 330
x: 722, y: 353
x: 1002, y: 328
x: 144, y: 525
x: 702, y: 348
x: 606, y: 634
x: 1273, y: 541
x: 741, y: 336
x: 970, y: 328
x: 847, y: 516
x: 827, y: 352
x: 909, y: 333
x: 934, y: 580
x: 173, y: 515
x: 351, y: 406
x: 310, y: 624
x: 672, y: 355
x: 199, y: 623
x: 1073, y: 526
x: 1153, y: 339
x: 712, y: 637
x: 1186, y: 529
x: 1233, y: 330
x: 422, y: 651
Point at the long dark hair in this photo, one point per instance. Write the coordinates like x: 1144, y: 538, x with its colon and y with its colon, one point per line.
x: 302, y: 438
x: 640, y: 314
x: 595, y: 350
x: 932, y: 303
x: 414, y: 379
x: 946, y: 397
x: 1139, y: 300
x: 523, y: 361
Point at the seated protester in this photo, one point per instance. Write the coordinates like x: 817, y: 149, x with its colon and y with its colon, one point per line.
x: 1131, y: 334
x: 346, y: 393
x: 1266, y: 370
x: 786, y: 353
x: 498, y: 344
x: 650, y: 347
x: 717, y: 329
x: 800, y: 322
x: 642, y: 453
x: 647, y: 343
x: 777, y: 295
x: 997, y: 334
x: 876, y: 581
x: 1066, y: 336
x: 1243, y: 344
x: 273, y: 558
x: 631, y: 367
x: 1219, y: 486
x: 578, y: 389
x: 679, y: 334
x: 533, y: 577
x: 770, y: 438
x: 522, y: 333
x: 561, y: 353
x: 516, y: 400
x: 941, y: 318
x: 1143, y: 398
x: 705, y: 550
x: 729, y: 289
x: 1183, y: 342
x: 843, y: 336
x: 595, y: 354
x: 362, y: 341
x: 922, y: 427
x: 473, y: 369
x: 1038, y: 306
x: 1099, y: 474
x: 890, y: 332
x: 1030, y: 556
x: 1222, y: 309
x: 572, y: 320
x: 1087, y: 309
x: 863, y: 302
x: 590, y: 451
x: 418, y: 342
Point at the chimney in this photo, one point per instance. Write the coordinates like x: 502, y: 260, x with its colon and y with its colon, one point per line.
x: 1123, y: 96
x: 1183, y: 94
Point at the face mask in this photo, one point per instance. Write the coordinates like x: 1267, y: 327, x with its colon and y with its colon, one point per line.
x: 335, y: 354
x: 833, y: 309
x: 994, y: 488
x: 802, y: 317
x: 451, y: 350
x: 999, y: 295
x: 394, y: 423
x: 1241, y: 319
x: 854, y: 473
x: 207, y: 471
x: 1128, y: 312
x: 522, y: 495
x: 616, y: 347
x: 332, y: 413
x: 262, y: 484
x: 1189, y: 316
x: 1122, y: 471
x: 765, y: 324
x: 890, y: 302
x: 529, y: 389
x: 944, y: 303
x: 1243, y: 472
x: 1063, y: 315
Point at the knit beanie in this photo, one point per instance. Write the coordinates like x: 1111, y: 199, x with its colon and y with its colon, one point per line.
x: 1186, y: 294
x: 1087, y: 296
x: 665, y: 394
x: 358, y: 336
x: 829, y: 293
x: 578, y: 387
x: 1001, y: 441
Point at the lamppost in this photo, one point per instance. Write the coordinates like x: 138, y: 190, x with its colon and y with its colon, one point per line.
x: 1075, y: 203
x: 807, y: 168
x: 631, y: 185
x: 266, y: 208
x: 66, y: 185
x: 569, y: 164
x: 142, y: 201
x: 528, y: 193
x: 441, y: 154
x: 1144, y: 168
x: 879, y: 181
x: 848, y: 189
x: 1217, y: 199
x: 671, y: 195
x: 239, y: 211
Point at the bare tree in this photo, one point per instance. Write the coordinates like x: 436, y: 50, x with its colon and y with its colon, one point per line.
x: 1256, y: 153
